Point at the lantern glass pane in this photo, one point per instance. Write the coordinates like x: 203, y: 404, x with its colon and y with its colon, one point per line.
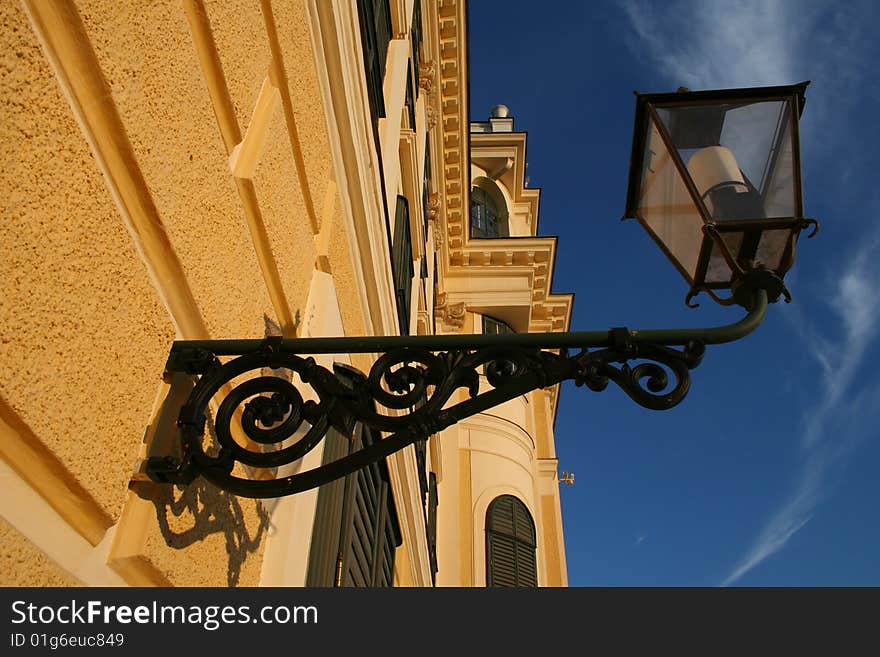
x: 771, y: 248
x: 718, y: 271
x: 738, y: 155
x: 665, y: 205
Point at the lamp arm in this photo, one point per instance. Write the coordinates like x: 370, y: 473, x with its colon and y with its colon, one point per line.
x: 574, y: 339
x: 716, y: 335
x: 412, y: 391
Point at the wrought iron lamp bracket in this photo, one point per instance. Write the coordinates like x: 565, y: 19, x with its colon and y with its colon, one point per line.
x: 263, y: 425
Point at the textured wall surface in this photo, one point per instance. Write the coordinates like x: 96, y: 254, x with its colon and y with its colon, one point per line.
x: 84, y: 332
x: 204, y: 537
x: 84, y: 336
x: 147, y: 56
x: 23, y: 564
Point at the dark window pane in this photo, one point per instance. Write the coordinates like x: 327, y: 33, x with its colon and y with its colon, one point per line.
x: 416, y: 38
x: 492, y: 326
x: 485, y: 219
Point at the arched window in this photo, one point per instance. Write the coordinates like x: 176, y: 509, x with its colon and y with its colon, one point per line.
x: 487, y: 218
x: 510, y: 544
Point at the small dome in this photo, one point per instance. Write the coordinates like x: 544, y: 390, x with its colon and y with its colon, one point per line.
x: 500, y: 112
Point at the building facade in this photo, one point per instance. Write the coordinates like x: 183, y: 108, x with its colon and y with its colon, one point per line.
x: 206, y: 170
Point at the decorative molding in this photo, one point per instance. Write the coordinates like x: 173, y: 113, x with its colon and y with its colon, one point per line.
x: 224, y: 112
x: 451, y: 314
x: 47, y: 476
x: 427, y: 76
x: 438, y: 235
x: 434, y: 219
x: 423, y: 323
x: 433, y: 207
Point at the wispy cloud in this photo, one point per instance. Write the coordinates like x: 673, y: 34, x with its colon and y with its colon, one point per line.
x: 639, y: 540
x: 728, y: 43
x: 713, y: 44
x: 850, y: 408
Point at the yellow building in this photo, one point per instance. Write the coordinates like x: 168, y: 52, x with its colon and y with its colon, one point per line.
x: 239, y: 169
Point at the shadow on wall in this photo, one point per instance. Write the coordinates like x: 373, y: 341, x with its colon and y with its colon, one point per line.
x: 209, y: 510
x: 188, y: 515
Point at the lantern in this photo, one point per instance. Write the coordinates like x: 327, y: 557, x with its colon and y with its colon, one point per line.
x: 715, y: 180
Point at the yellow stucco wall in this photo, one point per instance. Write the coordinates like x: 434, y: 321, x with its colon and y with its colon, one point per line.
x: 85, y: 333
x: 23, y: 564
x: 203, y: 536
x: 147, y: 55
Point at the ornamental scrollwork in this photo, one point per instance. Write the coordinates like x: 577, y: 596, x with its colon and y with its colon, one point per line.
x: 270, y: 423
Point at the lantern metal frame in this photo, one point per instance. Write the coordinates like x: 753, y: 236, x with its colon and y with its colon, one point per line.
x: 646, y: 113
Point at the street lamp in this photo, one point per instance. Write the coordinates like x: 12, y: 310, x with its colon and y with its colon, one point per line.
x: 714, y: 178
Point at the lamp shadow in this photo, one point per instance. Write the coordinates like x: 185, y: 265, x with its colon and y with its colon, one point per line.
x: 207, y: 510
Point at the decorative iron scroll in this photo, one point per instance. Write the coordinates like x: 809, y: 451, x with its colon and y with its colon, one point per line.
x: 409, y: 394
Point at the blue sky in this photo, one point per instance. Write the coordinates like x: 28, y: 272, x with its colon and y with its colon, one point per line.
x: 766, y: 475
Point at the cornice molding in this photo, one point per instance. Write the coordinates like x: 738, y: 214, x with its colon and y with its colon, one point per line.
x: 454, y: 124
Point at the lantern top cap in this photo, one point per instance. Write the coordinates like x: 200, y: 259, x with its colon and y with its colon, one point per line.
x: 743, y: 94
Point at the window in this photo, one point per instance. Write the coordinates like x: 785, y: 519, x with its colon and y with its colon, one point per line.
x: 486, y: 221
x: 416, y: 38
x: 492, y: 326
x: 356, y: 528
x: 510, y: 544
x: 410, y: 99
x: 402, y: 263
x: 426, y: 185
x: 375, y: 23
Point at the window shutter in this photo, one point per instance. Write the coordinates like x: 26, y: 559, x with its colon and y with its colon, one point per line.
x: 402, y: 263
x: 432, y: 523
x: 426, y: 186
x: 410, y: 101
x: 502, y: 561
x: 375, y: 23
x: 511, y: 558
x: 370, y: 528
x: 416, y: 37
x: 356, y: 528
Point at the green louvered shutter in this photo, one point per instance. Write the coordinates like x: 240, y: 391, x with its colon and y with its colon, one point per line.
x: 356, y: 528
x: 510, y: 544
